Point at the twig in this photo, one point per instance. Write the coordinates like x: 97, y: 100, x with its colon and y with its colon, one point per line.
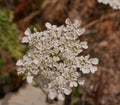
x: 32, y: 15
x: 113, y: 14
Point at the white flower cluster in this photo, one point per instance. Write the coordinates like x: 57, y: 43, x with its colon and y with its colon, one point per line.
x: 115, y: 4
x: 53, y: 58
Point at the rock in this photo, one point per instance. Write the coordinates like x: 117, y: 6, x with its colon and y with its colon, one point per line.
x: 27, y: 95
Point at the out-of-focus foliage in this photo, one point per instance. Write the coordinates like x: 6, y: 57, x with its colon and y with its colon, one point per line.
x: 40, y: 0
x: 8, y: 35
x: 10, y: 51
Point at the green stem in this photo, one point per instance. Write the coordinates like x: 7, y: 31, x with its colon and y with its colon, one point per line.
x: 75, y: 95
x: 72, y: 98
x: 38, y: 84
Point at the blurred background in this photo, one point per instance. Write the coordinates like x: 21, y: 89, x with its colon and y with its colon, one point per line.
x: 102, y: 25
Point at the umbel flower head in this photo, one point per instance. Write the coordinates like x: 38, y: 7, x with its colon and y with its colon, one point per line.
x: 53, y: 58
x: 115, y: 4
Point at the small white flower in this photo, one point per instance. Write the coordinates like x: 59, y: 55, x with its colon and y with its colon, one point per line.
x: 27, y: 60
x: 93, y: 69
x: 67, y: 91
x: 27, y: 32
x: 68, y: 22
x: 73, y: 84
x: 52, y: 95
x: 85, y: 70
x: 94, y: 61
x: 48, y: 25
x: 61, y: 97
x: 77, y: 23
x: 73, y: 29
x: 19, y: 63
x: 80, y: 31
x: 84, y: 45
x: 35, y: 61
x: 20, y: 70
x: 29, y: 78
x: 87, y: 65
x: 25, y: 40
x: 81, y: 82
x: 55, y: 58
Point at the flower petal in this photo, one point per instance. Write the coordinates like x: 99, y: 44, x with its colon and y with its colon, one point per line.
x: 29, y: 78
x: 67, y: 91
x: 81, y: 82
x: 77, y: 23
x: 48, y: 25
x: 61, y: 97
x: 19, y: 63
x: 27, y: 32
x: 84, y: 44
x: 52, y: 95
x: 94, y: 61
x: 93, y: 69
x: 25, y: 40
x: 68, y: 22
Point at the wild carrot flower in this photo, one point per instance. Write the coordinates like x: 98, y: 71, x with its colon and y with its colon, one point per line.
x: 53, y: 58
x: 115, y: 4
